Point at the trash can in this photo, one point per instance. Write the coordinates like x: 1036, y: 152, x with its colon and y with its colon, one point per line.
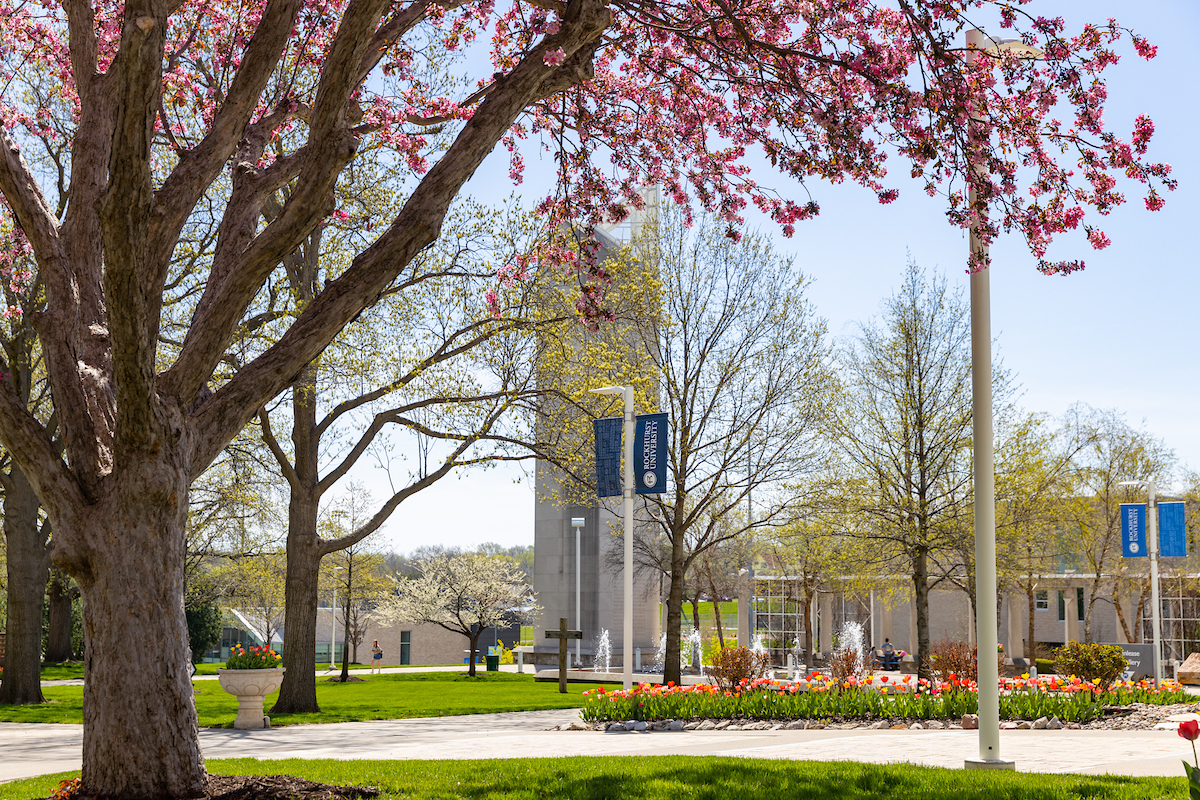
x: 493, y: 663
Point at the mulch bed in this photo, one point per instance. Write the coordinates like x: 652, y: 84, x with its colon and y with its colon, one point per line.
x: 281, y: 787
x: 351, y: 679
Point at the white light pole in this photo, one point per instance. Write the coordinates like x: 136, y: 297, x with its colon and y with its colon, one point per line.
x: 333, y: 624
x: 577, y: 523
x: 1152, y: 535
x: 627, y: 434
x: 984, y: 458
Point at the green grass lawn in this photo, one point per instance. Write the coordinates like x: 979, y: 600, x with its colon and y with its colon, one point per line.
x: 74, y: 671
x: 676, y: 777
x: 396, y: 696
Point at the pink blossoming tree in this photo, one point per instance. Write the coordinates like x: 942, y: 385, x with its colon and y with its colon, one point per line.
x: 140, y: 120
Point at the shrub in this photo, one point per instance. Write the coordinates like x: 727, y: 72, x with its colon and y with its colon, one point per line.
x: 1045, y: 666
x: 1091, y: 662
x: 949, y: 657
x: 732, y: 665
x: 846, y: 664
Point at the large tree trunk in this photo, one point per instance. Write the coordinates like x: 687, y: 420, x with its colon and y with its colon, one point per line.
x: 298, y: 694
x: 671, y: 669
x: 59, y: 597
x: 28, y: 568
x: 141, y: 739
x: 921, y: 592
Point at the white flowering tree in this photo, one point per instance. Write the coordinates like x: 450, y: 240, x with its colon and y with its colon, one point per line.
x: 464, y: 593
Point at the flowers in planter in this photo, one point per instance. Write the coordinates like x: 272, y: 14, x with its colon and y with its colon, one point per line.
x: 254, y: 658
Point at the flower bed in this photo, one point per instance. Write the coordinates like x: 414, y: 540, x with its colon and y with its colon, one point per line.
x: 1071, y: 700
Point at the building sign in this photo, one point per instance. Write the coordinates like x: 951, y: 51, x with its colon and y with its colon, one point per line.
x: 1133, y: 530
x: 1140, y: 658
x: 1172, y: 534
x: 608, y: 456
x: 650, y: 453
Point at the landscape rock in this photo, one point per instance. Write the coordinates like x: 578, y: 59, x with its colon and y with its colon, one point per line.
x: 1055, y: 724
x: 1073, y: 726
x: 640, y: 726
x: 1040, y: 723
x: 724, y: 724
x: 630, y: 724
x: 970, y: 722
x: 875, y: 726
x: 794, y: 725
x: 695, y: 726
x: 1024, y: 725
x: 616, y: 726
x: 675, y: 725
x: 934, y: 724
x: 1007, y: 725
x: 1189, y: 670
x: 916, y: 726
x: 706, y: 725
x: 578, y: 726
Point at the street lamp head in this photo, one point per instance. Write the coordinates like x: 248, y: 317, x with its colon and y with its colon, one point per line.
x: 1011, y: 46
x: 609, y: 390
x: 577, y: 522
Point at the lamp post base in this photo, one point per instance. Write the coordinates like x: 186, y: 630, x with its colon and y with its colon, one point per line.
x: 988, y: 763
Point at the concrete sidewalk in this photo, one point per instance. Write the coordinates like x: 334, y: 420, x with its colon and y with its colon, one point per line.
x: 34, y: 749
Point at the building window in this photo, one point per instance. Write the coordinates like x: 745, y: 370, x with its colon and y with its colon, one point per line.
x: 1042, y: 599
x: 405, y: 645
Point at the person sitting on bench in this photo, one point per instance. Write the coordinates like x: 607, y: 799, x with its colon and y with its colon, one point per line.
x: 890, y: 660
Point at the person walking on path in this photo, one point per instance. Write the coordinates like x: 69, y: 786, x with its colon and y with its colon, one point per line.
x: 376, y: 658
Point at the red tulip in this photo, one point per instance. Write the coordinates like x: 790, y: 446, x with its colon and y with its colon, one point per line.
x: 1190, y: 730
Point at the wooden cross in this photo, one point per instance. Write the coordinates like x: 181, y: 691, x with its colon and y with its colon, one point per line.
x: 562, y: 634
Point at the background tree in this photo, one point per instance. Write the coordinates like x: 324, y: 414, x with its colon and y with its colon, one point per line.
x: 904, y: 428
x: 464, y: 593
x: 740, y: 361
x: 204, y: 621
x: 357, y: 576
x: 1114, y: 452
x: 159, y: 126
x: 428, y: 366
x: 1036, y: 482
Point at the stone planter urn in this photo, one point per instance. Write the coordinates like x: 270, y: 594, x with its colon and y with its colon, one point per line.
x: 250, y: 686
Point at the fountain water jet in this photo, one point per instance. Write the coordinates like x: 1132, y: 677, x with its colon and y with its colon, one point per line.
x: 603, y: 652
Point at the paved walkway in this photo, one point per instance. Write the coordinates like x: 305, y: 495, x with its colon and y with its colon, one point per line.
x: 35, y: 749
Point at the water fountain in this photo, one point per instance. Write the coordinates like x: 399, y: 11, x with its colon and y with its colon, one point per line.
x: 603, y: 653
x: 696, y: 647
x: 757, y: 646
x: 852, y: 638
x: 660, y: 657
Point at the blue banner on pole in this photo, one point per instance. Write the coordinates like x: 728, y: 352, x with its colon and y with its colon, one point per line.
x: 1172, y: 534
x: 608, y: 456
x: 650, y: 453
x: 1133, y: 530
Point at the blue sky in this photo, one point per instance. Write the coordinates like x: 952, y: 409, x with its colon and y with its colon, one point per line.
x: 1122, y: 334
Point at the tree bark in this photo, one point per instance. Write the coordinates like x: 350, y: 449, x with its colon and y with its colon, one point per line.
x: 1030, y: 643
x: 28, y: 568
x: 474, y: 638
x: 298, y: 693
x: 921, y: 592
x: 59, y: 644
x: 1116, y: 599
x: 137, y: 659
x: 671, y: 669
